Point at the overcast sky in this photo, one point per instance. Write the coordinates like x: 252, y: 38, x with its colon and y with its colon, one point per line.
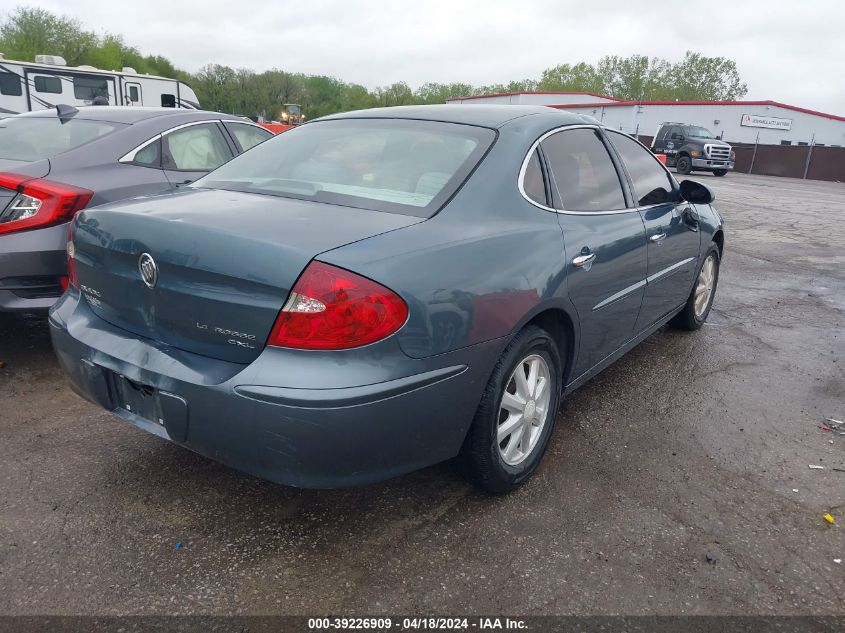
x: 791, y: 51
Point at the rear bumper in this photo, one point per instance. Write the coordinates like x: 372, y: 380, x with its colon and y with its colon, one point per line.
x: 259, y: 419
x: 31, y: 263
x: 712, y: 163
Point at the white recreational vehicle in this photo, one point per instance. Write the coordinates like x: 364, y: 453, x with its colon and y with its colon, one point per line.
x: 26, y: 86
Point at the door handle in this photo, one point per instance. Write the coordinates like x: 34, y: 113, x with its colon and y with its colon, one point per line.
x: 658, y: 237
x: 582, y: 260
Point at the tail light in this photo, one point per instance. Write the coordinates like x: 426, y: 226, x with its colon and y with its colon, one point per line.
x: 39, y: 202
x: 331, y: 308
x: 72, y: 279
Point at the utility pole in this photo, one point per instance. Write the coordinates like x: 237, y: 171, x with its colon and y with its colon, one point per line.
x: 809, y: 155
x: 754, y: 155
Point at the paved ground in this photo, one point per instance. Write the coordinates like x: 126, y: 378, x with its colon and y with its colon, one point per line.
x: 690, y: 444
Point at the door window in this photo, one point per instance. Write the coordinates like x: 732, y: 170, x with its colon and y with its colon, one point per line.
x: 532, y: 182
x: 248, y: 135
x: 134, y: 94
x: 195, y: 148
x: 149, y: 156
x: 51, y: 85
x: 583, y: 171
x: 652, y: 183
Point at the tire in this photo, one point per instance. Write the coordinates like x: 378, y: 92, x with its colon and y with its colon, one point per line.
x: 684, y: 164
x: 691, y: 318
x: 720, y: 172
x: 483, y: 455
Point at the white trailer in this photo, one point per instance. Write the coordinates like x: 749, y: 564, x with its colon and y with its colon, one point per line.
x: 26, y: 86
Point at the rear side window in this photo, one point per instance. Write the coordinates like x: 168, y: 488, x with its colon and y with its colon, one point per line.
x: 652, y: 183
x: 195, y: 148
x: 89, y: 88
x: 30, y: 138
x: 532, y: 182
x: 394, y: 165
x: 248, y: 135
x: 51, y: 85
x: 149, y: 156
x: 168, y: 101
x: 583, y: 171
x: 10, y: 84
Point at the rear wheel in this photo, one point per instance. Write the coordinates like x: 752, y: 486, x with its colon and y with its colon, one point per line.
x: 684, y: 164
x: 720, y: 172
x: 516, y: 415
x: 700, y: 300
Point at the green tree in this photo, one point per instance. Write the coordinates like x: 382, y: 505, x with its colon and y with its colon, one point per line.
x: 28, y: 32
x: 356, y: 97
x: 395, y: 94
x: 215, y: 86
x: 522, y: 85
x: 581, y: 77
x: 707, y: 78
x: 276, y: 88
x: 440, y: 93
x: 109, y: 54
x: 321, y: 95
x: 636, y: 77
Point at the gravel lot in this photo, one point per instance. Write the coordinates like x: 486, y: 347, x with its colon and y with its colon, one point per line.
x: 691, y: 444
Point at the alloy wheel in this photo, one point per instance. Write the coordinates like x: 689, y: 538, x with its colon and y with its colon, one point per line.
x: 524, y: 409
x: 704, y: 286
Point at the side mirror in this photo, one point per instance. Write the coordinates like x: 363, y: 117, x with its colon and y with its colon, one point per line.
x: 696, y: 193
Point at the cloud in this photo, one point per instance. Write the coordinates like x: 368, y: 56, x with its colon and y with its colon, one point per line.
x: 788, y: 51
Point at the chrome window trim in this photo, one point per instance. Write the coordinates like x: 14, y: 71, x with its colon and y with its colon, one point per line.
x: 129, y: 157
x: 527, y: 159
x: 242, y: 122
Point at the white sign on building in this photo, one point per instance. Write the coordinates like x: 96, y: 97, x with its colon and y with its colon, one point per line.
x: 755, y: 120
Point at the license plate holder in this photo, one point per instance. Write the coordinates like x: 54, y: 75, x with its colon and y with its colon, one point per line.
x: 156, y: 407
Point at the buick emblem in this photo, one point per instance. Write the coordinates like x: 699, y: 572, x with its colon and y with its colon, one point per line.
x: 148, y: 269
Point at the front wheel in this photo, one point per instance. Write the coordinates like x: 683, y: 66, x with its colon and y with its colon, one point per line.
x: 514, y: 420
x: 700, y: 300
x: 684, y: 165
x: 720, y: 172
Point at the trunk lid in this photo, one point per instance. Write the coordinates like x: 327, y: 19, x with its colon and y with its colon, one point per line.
x: 225, y: 262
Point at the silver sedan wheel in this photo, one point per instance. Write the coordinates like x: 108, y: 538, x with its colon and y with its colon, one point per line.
x: 524, y: 409
x: 704, y: 285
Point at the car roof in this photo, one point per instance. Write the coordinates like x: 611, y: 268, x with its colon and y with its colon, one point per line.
x: 129, y: 114
x: 485, y: 115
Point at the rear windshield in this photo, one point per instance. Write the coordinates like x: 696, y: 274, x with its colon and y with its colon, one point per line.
x: 35, y: 138
x: 399, y: 166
